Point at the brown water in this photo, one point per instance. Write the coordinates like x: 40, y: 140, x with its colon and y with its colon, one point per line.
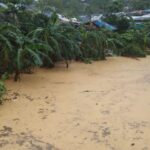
x: 99, y: 106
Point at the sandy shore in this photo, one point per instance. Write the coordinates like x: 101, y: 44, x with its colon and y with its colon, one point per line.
x: 99, y: 106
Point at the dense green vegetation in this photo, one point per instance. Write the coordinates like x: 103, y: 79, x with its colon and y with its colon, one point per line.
x: 73, y: 7
x: 138, y: 4
x: 29, y: 39
x: 2, y: 91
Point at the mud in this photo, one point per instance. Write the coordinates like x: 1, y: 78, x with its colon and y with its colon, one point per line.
x: 100, y: 106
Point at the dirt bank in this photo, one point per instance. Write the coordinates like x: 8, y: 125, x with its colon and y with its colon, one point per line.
x: 99, y: 106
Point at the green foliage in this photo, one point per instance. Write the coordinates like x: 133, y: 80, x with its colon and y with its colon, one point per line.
x: 115, y: 6
x: 133, y: 51
x: 17, y: 50
x: 2, y: 91
x: 17, y: 1
x: 132, y: 43
x: 30, y: 39
x: 140, y: 4
x: 73, y: 7
x: 120, y: 22
x: 94, y: 44
x: 147, y: 35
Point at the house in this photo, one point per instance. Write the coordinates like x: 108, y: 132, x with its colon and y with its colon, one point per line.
x: 141, y: 18
x: 97, y: 24
x: 103, y: 24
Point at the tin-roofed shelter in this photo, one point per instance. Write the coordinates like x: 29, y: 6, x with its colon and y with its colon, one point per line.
x: 141, y: 18
x: 102, y: 24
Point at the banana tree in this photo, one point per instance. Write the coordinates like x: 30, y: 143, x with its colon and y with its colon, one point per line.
x: 2, y: 91
x: 19, y: 52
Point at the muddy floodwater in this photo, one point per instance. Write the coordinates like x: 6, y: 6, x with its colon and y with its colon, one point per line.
x: 100, y: 106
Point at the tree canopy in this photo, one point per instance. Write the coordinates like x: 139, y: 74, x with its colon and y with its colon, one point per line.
x: 82, y: 7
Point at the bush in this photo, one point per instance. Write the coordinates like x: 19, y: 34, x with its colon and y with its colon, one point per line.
x: 121, y: 22
x: 133, y: 51
x: 2, y: 91
x: 29, y: 39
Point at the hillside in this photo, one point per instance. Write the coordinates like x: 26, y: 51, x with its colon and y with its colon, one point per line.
x: 80, y: 7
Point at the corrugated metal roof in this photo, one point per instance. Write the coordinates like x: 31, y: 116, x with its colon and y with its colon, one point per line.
x: 99, y: 23
x: 141, y: 18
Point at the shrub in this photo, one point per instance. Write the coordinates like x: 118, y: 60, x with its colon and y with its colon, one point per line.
x: 121, y: 22
x: 29, y: 39
x: 132, y: 50
x: 2, y: 91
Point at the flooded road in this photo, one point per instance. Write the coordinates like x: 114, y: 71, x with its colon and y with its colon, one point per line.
x: 100, y: 106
